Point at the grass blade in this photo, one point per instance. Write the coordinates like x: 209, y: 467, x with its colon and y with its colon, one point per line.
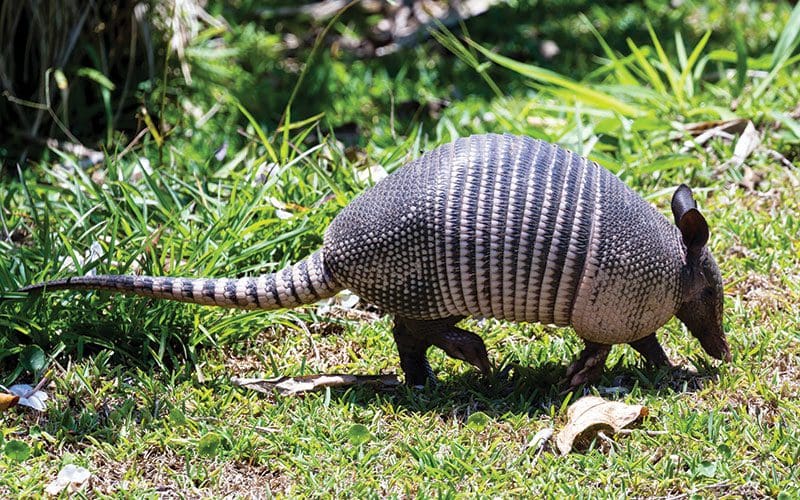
x: 741, y: 60
x: 790, y: 37
x: 587, y: 95
x: 649, y: 70
x: 451, y: 42
x: 257, y: 128
x: 667, y: 66
x: 691, y: 61
x: 787, y: 42
x: 792, y: 125
x: 680, y: 48
x: 623, y: 75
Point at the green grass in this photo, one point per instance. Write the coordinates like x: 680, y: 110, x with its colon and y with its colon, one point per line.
x: 141, y: 391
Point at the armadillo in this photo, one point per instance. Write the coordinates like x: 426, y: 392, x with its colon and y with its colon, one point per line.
x: 493, y: 226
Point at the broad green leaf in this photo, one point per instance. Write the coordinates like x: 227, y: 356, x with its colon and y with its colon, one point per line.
x: 18, y: 451
x: 706, y: 469
x: 33, y: 358
x: 209, y: 445
x: 177, y: 417
x: 358, y: 434
x: 478, y: 421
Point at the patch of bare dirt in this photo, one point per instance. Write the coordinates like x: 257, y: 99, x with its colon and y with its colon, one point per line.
x: 764, y: 293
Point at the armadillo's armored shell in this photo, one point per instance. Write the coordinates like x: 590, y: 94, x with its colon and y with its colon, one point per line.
x: 513, y: 228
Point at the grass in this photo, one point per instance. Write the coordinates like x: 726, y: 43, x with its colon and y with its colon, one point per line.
x: 141, y: 391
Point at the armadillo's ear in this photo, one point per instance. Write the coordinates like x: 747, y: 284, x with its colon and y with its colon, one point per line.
x: 690, y: 221
x: 682, y: 201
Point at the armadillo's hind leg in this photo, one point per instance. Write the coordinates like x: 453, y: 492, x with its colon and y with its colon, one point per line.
x: 413, y: 338
x: 412, y: 346
x: 652, y: 351
x: 589, y: 365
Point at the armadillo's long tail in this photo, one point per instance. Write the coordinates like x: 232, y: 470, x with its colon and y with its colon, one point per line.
x: 303, y: 283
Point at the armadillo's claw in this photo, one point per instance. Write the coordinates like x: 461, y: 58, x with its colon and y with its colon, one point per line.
x: 588, y: 367
x: 464, y: 345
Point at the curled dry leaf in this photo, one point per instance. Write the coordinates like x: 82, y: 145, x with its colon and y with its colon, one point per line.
x: 591, y: 415
x: 288, y: 386
x: 344, y: 300
x: 371, y: 174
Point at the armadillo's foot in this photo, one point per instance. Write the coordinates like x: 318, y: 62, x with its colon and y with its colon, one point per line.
x: 652, y: 351
x: 589, y: 365
x: 463, y: 345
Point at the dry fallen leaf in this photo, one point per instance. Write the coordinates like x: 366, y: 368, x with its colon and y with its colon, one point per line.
x: 287, y: 386
x: 591, y: 415
x: 747, y: 143
x: 540, y: 439
x: 702, y: 132
x: 8, y: 401
x: 32, y: 397
x: 700, y: 129
x: 71, y: 476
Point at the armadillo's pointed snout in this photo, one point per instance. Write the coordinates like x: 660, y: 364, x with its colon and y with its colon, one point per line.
x: 709, y: 332
x: 716, y: 345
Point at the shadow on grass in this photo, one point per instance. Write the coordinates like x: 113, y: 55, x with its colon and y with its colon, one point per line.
x: 531, y: 390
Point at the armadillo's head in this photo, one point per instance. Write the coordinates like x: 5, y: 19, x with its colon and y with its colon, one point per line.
x: 701, y: 306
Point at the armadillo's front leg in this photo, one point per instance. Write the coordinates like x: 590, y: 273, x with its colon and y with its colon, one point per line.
x: 651, y: 350
x: 589, y: 365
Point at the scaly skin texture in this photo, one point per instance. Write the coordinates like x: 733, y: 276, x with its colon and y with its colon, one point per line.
x: 494, y: 226
x: 511, y: 228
